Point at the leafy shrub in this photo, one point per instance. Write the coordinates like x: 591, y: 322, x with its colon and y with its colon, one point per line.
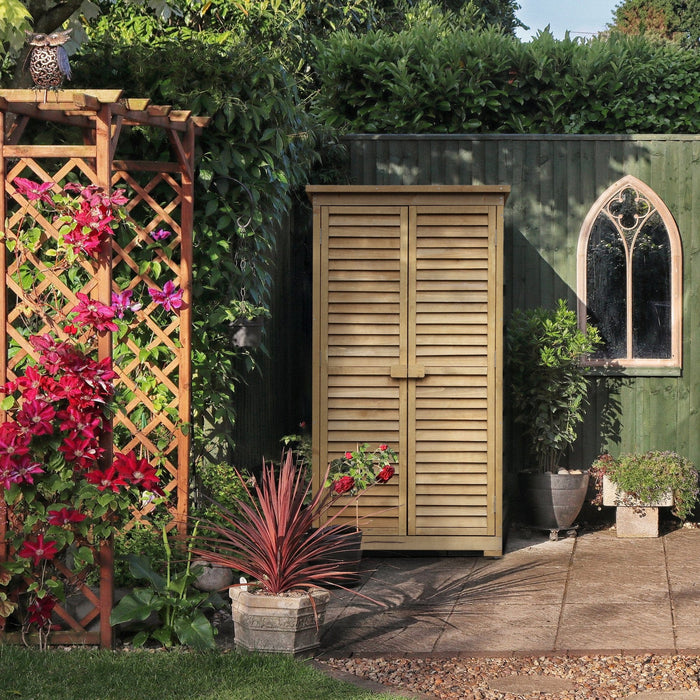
x: 258, y: 136
x: 431, y: 79
x: 219, y: 485
x: 549, y: 384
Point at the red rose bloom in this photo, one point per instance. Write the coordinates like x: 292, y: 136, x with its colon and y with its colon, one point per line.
x: 386, y: 473
x: 343, y: 485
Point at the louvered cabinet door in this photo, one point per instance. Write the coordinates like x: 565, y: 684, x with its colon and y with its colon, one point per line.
x: 453, y: 337
x: 361, y: 313
x: 408, y: 351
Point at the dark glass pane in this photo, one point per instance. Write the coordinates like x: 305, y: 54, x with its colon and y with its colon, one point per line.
x: 651, y: 291
x: 606, y: 272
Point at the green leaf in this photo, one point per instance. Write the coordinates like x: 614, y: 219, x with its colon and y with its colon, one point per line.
x: 139, y: 639
x: 136, y: 606
x: 195, y: 631
x: 140, y: 567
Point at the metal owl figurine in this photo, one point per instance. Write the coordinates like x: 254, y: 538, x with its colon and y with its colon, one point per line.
x: 48, y: 60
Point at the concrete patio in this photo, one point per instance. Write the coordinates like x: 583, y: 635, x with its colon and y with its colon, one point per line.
x: 595, y: 593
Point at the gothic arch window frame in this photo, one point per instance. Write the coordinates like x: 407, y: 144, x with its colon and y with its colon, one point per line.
x: 629, y: 362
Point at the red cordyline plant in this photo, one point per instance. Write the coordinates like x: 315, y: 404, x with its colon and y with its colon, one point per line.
x: 62, y: 499
x: 273, y: 540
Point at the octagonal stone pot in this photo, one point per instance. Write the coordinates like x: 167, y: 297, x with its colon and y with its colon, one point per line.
x: 280, y: 624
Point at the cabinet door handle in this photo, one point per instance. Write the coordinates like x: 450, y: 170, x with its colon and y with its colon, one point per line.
x: 407, y: 371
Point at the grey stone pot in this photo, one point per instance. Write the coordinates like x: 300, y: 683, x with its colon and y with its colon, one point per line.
x: 280, y: 624
x: 553, y: 501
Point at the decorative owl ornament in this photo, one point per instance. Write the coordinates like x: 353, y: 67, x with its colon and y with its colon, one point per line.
x: 48, y: 60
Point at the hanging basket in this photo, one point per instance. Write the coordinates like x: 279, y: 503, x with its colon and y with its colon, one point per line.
x: 247, y: 332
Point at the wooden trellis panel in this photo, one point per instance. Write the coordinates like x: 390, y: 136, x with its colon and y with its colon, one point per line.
x: 161, y: 196
x: 408, y: 351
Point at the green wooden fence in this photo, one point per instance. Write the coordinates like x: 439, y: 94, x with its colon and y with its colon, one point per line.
x: 554, y: 180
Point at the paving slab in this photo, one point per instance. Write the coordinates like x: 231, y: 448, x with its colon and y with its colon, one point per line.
x: 499, y: 628
x: 590, y: 594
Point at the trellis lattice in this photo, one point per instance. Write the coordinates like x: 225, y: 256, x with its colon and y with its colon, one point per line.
x: 153, y: 364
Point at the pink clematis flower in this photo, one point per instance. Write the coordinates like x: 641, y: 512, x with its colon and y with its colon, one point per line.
x: 33, y: 190
x: 161, y: 234
x: 170, y: 298
x: 121, y: 302
x: 91, y: 312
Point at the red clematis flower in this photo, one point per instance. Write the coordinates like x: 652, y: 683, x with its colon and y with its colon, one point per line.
x: 91, y: 312
x: 13, y: 441
x: 36, y: 551
x: 39, y: 610
x: 138, y: 471
x: 37, y: 416
x: 24, y: 470
x: 82, y: 452
x: 110, y: 479
x: 64, y: 516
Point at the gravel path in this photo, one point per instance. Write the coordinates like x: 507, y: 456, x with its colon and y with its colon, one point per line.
x: 515, y: 678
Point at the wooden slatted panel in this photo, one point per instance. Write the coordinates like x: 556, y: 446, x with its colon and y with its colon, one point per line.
x: 362, y: 314
x: 451, y: 336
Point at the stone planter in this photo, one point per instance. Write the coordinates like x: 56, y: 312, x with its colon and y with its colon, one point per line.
x: 247, y: 333
x: 280, y: 624
x: 212, y: 578
x: 632, y: 517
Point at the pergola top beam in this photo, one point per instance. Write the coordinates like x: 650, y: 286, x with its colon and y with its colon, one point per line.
x: 77, y: 106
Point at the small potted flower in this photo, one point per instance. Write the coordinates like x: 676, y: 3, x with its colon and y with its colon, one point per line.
x: 357, y: 470
x: 639, y: 484
x: 352, y: 474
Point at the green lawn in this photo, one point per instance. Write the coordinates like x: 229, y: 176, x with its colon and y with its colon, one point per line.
x: 83, y: 674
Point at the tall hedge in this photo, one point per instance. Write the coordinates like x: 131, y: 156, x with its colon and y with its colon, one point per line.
x: 429, y: 80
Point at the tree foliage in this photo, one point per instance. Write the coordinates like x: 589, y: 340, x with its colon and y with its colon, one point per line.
x: 675, y: 20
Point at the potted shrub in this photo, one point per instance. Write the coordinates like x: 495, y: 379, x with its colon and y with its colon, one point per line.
x: 269, y: 537
x: 549, y: 391
x: 639, y: 484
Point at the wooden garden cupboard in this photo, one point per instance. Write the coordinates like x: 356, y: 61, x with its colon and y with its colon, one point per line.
x: 407, y: 350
